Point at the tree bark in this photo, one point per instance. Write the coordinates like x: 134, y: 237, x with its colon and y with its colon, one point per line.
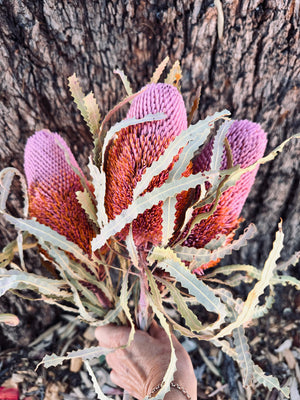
x: 253, y: 71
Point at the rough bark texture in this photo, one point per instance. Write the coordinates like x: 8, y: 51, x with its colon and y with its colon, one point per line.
x: 253, y: 71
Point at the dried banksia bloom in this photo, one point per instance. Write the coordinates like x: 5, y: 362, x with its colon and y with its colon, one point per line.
x: 247, y: 141
x: 135, y: 149
x: 52, y: 187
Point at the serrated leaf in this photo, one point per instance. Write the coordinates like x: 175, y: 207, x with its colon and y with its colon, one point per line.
x: 87, y: 204
x: 252, y: 300
x: 86, y: 354
x: 156, y: 304
x: 93, y: 113
x: 45, y: 234
x: 132, y: 250
x: 235, y: 176
x: 125, y: 81
x: 87, y: 105
x: 67, y: 269
x: 159, y: 70
x: 97, y: 388
x: 286, y: 280
x: 265, y: 308
x: 6, y: 178
x: 243, y: 355
x: 190, y: 318
x: 99, y: 183
x: 168, y: 261
x: 218, y: 146
x: 146, y: 202
x: 9, y: 319
x: 168, y: 219
x: 269, y: 381
x: 203, y: 255
x: 174, y: 75
x: 14, y: 279
x: 109, y: 115
x: 291, y: 261
x: 229, y: 269
x: 78, y: 95
x: 124, y: 305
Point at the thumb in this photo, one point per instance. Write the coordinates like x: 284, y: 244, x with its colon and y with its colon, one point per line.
x: 156, y: 331
x: 112, y: 336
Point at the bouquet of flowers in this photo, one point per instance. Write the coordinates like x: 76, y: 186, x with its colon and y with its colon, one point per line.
x: 160, y: 207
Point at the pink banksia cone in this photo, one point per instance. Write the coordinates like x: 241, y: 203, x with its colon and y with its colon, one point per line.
x: 135, y: 149
x: 52, y: 187
x: 247, y: 142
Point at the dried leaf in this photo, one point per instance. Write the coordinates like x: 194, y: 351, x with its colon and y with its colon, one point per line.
x: 159, y: 70
x: 6, y: 178
x: 174, y: 75
x: 87, y: 204
x: 93, y: 113
x: 125, y: 81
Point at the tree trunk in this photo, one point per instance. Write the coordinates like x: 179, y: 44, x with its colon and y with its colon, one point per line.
x: 253, y: 70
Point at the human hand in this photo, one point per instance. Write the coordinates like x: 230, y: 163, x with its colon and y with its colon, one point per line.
x: 142, y: 366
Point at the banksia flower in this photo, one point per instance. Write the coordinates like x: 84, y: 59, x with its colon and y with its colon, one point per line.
x: 247, y: 142
x: 135, y: 149
x: 52, y: 187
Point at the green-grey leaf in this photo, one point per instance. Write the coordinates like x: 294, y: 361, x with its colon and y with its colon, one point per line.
x: 14, y: 279
x: 45, y: 234
x: 190, y: 318
x: 203, y: 256
x: 168, y: 261
x: 155, y: 302
x: 86, y: 354
x: 124, y: 305
x: 97, y: 388
x: 243, y: 355
x: 269, y: 381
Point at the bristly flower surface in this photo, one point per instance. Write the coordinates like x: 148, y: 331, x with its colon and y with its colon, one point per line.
x: 135, y: 149
x: 247, y: 144
x: 52, y: 186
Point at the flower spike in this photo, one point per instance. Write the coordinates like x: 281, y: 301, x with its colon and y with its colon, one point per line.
x: 52, y: 186
x: 247, y: 142
x: 135, y: 149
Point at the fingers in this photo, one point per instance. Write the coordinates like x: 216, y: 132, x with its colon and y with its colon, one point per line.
x: 112, y: 336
